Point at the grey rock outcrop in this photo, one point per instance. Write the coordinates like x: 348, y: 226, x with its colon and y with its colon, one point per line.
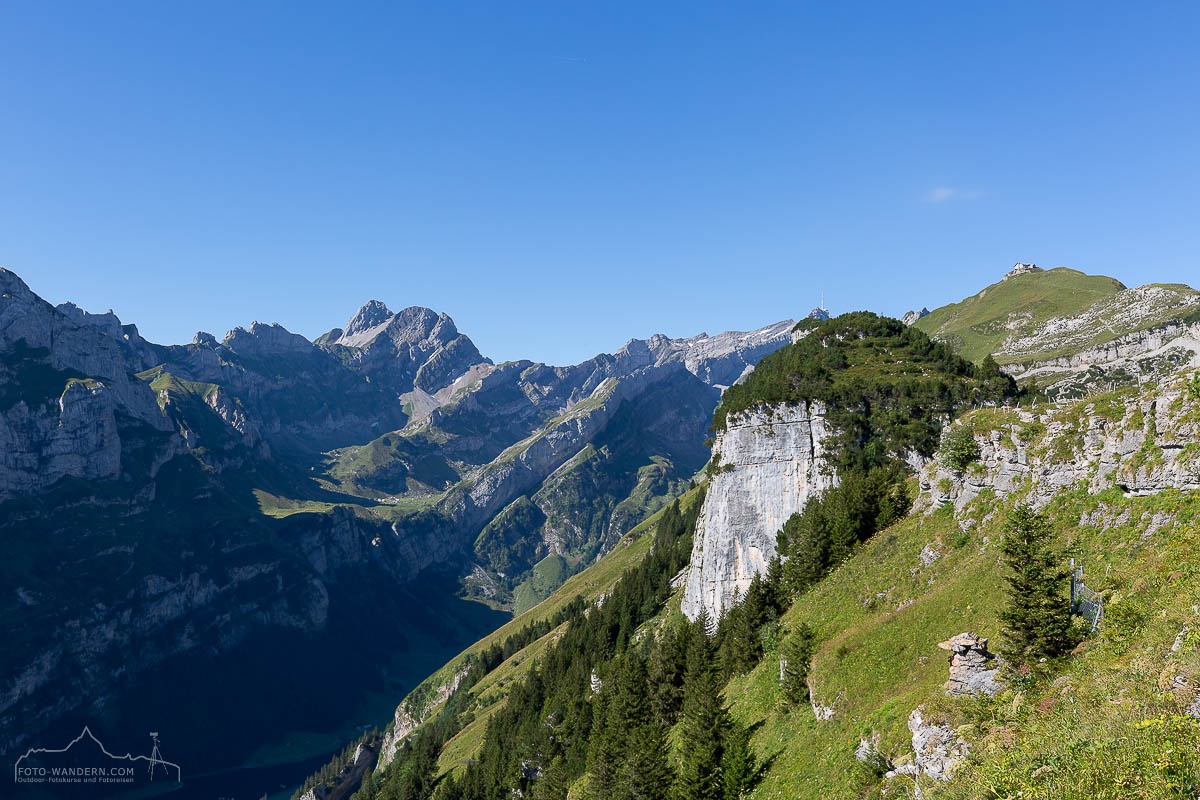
x: 937, y: 750
x: 969, y: 666
x: 67, y: 394
x: 911, y: 317
x: 410, y: 714
x: 770, y: 462
x: 1147, y: 447
x: 1143, y: 356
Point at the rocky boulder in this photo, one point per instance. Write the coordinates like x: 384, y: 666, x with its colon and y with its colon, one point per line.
x: 969, y: 666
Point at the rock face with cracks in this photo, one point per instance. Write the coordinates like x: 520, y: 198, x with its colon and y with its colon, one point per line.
x: 1141, y: 443
x: 769, y: 463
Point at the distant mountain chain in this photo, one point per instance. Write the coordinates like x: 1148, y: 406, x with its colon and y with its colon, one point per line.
x: 325, y: 473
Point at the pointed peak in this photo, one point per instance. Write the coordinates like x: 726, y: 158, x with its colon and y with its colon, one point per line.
x: 373, y: 313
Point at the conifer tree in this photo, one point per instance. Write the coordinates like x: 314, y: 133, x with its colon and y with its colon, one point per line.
x: 665, y: 668
x: 553, y: 783
x: 740, y: 648
x: 1036, y: 623
x: 737, y: 763
x: 646, y: 774
x: 798, y: 651
x: 702, y: 728
x: 777, y: 595
x: 604, y: 750
x: 703, y: 723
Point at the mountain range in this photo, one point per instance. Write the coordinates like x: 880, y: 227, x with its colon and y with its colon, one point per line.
x: 180, y: 513
x: 199, y: 534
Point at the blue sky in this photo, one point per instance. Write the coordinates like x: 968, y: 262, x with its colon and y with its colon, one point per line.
x: 560, y: 177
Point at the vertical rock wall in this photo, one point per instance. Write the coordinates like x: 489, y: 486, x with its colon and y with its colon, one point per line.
x: 770, y: 463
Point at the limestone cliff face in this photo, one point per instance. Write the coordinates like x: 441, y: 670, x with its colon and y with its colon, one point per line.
x: 1142, y: 444
x: 770, y: 463
x: 76, y: 437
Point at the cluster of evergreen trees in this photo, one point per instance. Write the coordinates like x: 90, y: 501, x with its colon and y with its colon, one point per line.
x: 543, y: 739
x: 887, y: 387
x: 603, y: 702
x: 825, y: 533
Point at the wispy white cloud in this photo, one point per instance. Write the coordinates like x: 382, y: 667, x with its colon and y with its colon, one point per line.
x: 944, y: 194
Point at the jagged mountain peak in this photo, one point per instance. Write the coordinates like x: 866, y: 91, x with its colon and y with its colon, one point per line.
x: 372, y: 314
x: 819, y: 314
x: 408, y: 325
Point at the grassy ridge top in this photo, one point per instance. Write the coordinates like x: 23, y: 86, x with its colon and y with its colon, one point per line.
x: 978, y: 325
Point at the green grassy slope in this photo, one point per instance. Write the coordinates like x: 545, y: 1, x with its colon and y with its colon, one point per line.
x: 979, y: 324
x: 879, y: 660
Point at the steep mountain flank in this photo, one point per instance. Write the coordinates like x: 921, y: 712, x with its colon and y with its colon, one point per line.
x: 1142, y: 357
x: 770, y: 462
x: 596, y: 447
x: 981, y: 324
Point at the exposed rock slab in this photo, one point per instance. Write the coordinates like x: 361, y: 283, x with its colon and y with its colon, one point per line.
x: 771, y: 461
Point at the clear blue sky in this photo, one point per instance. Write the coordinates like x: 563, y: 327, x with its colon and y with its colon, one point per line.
x: 560, y: 177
